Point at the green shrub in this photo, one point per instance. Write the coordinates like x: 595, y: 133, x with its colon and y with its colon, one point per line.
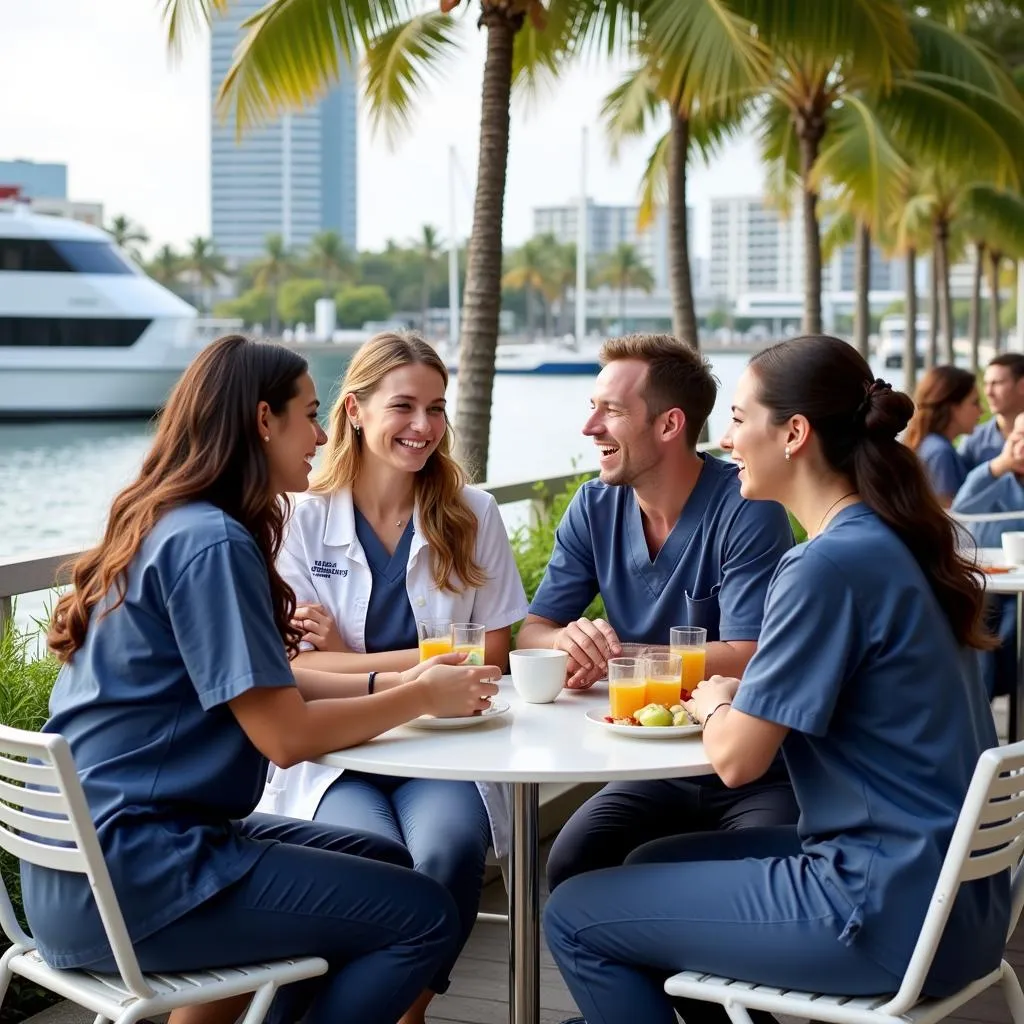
x: 25, y: 684
x: 534, y: 542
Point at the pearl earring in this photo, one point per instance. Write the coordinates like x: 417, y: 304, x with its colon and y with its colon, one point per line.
x: 266, y: 437
x: 358, y: 429
x: 787, y: 453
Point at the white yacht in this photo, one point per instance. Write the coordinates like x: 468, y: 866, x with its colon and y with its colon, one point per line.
x: 83, y: 331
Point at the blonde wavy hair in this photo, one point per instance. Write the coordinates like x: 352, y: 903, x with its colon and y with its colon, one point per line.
x: 449, y: 525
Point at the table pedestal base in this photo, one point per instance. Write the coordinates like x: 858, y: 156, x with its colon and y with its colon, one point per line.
x: 524, y: 906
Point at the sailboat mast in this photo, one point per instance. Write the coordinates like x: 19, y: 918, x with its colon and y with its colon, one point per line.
x: 581, y: 247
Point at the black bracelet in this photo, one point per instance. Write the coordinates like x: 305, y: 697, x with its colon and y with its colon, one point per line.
x: 707, y: 717
x: 369, y: 685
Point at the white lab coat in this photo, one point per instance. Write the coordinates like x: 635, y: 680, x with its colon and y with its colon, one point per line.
x: 322, y: 560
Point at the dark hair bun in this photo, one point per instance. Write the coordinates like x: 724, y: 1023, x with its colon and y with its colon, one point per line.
x: 886, y: 412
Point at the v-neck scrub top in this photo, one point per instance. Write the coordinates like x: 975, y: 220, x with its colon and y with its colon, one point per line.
x: 391, y: 625
x: 712, y: 571
x: 887, y: 719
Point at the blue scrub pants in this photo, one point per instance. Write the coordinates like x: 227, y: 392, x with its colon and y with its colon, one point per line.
x: 739, y: 904
x: 625, y: 815
x: 443, y: 825
x: 319, y: 891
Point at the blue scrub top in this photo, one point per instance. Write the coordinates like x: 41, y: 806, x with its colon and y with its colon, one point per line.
x: 982, y: 444
x: 713, y: 570
x: 165, y: 766
x: 984, y: 493
x: 887, y: 720
x: 390, y: 623
x: 943, y: 464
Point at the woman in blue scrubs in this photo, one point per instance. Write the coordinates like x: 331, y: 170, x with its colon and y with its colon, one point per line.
x: 176, y: 690
x: 946, y: 406
x: 865, y: 678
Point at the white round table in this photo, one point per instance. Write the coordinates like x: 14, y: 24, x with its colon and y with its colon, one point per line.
x: 533, y: 743
x: 1009, y: 583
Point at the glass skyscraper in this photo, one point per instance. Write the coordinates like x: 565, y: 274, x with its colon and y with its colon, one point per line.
x: 293, y: 176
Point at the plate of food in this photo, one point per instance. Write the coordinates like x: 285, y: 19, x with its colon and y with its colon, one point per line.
x: 652, y: 722
x: 496, y: 710
x: 998, y: 570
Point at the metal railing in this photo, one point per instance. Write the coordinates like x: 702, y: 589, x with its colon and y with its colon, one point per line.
x: 21, y: 574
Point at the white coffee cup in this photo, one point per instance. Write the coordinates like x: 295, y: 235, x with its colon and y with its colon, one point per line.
x: 1013, y: 547
x: 538, y: 674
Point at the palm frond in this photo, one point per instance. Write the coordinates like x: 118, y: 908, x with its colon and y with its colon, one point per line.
x: 630, y: 107
x: 861, y: 162
x: 654, y: 184
x: 873, y: 35
x: 602, y: 28
x: 397, y: 63
x: 996, y: 217
x: 954, y: 125
x: 911, y: 222
x: 293, y: 50
x: 183, y: 18
x: 840, y: 232
x: 780, y: 154
x: 707, y: 53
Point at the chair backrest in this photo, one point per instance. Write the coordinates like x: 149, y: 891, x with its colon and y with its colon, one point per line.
x: 988, y: 839
x: 986, y: 517
x: 45, y: 820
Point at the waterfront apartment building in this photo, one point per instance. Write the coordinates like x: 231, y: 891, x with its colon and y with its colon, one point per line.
x: 293, y: 176
x: 757, y: 249
x: 607, y: 227
x: 35, y: 180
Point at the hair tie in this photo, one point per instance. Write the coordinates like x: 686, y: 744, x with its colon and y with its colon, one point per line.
x: 876, y: 387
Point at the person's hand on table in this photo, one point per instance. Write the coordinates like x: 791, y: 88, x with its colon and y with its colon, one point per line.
x: 589, y: 645
x: 318, y: 628
x: 709, y: 694
x: 454, y: 690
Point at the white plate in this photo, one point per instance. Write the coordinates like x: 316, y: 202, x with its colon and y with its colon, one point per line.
x: 643, y: 732
x: 496, y: 710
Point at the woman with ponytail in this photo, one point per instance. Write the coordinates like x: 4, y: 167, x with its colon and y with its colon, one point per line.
x: 865, y: 677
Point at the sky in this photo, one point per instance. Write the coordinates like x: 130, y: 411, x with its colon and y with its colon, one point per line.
x: 91, y: 85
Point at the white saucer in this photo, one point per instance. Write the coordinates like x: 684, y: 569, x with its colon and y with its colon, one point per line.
x: 642, y: 732
x: 496, y: 710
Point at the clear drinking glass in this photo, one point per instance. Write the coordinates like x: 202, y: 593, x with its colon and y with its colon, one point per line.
x: 469, y: 637
x: 627, y: 686
x: 435, y: 638
x: 690, y: 643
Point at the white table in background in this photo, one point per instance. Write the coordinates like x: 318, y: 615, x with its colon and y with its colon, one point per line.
x: 1010, y: 583
x: 532, y: 744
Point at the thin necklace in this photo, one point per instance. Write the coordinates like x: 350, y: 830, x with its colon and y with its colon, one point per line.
x: 829, y: 509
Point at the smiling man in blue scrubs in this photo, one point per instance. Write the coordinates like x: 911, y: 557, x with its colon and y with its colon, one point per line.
x: 666, y: 539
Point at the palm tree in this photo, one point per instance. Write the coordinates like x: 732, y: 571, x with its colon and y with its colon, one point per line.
x: 270, y: 271
x: 330, y: 258
x: 530, y: 271
x: 128, y: 235
x: 166, y: 266
x: 429, y: 248
x: 293, y: 50
x: 623, y: 269
x: 206, y: 266
x: 702, y: 73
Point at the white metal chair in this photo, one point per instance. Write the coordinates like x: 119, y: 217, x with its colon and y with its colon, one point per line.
x: 988, y: 838
x: 51, y: 826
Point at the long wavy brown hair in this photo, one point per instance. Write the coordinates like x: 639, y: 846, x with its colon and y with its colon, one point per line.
x: 207, y: 448
x: 449, y: 525
x: 938, y: 392
x: 857, y: 419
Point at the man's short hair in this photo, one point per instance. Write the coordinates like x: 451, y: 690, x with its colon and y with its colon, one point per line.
x: 1013, y: 361
x: 678, y: 377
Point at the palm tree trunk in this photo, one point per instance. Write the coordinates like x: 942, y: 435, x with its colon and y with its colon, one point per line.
x: 482, y: 300
x: 424, y: 299
x: 549, y: 320
x: 995, y: 260
x: 979, y: 271
x: 932, y: 355
x: 274, y: 322
x: 531, y: 316
x: 622, y: 308
x: 684, y: 315
x: 945, y: 305
x: 811, y: 128
x: 910, y: 334
x: 862, y: 310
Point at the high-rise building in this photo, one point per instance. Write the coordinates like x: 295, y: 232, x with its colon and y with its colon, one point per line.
x: 293, y: 176
x: 35, y: 181
x: 607, y: 227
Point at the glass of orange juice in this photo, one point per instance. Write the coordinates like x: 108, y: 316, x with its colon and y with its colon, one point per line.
x: 663, y: 674
x: 469, y: 637
x: 627, y: 687
x: 435, y: 638
x: 690, y: 643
